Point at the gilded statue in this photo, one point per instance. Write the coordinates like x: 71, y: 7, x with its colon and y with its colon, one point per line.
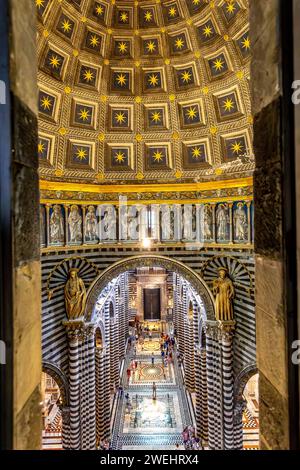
x: 224, y: 291
x: 75, y: 295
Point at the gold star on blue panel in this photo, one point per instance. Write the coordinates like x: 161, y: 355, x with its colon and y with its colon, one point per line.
x: 206, y: 32
x: 120, y: 118
x: 244, y: 45
x: 191, y: 115
x: 171, y: 13
x: 65, y: 26
x: 227, y: 106
x: 88, y: 76
x: 218, y: 65
x: 54, y: 63
x: 157, y: 157
x: 195, y: 155
x: 195, y: 6
x: 121, y: 81
x: 150, y: 47
x: 43, y: 148
x: 147, y: 17
x: 41, y: 6
x: 46, y: 103
x: 99, y: 12
x: 93, y: 42
x: 178, y: 43
x: 155, y: 118
x: 122, y: 48
x: 83, y: 114
x: 80, y: 154
x: 230, y: 9
x: 123, y: 17
x: 152, y: 81
x: 119, y: 157
x: 185, y: 77
x: 234, y: 147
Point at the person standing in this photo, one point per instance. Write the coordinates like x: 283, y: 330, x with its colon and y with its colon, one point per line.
x: 154, y: 391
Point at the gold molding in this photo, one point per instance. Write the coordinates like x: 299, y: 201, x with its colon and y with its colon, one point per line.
x: 199, y: 247
x: 143, y: 188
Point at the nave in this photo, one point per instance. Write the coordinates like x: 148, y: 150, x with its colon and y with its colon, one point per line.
x: 153, y: 407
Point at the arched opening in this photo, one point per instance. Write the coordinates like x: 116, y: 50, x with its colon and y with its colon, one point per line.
x: 159, y: 352
x: 51, y: 413
x: 98, y: 339
x: 251, y: 414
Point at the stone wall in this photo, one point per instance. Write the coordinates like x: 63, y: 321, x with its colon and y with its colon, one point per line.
x: 25, y: 228
x: 271, y: 324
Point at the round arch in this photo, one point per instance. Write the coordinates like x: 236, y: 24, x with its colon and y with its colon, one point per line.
x: 241, y: 380
x: 61, y: 380
x: 134, y: 262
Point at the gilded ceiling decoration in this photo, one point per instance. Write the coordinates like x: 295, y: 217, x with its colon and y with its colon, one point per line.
x: 144, y: 91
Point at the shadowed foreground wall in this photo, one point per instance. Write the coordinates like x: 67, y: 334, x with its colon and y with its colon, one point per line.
x: 25, y: 228
x: 274, y: 231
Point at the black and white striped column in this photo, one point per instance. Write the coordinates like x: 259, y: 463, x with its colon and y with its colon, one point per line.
x: 227, y: 331
x: 91, y: 408
x: 238, y: 436
x: 74, y: 331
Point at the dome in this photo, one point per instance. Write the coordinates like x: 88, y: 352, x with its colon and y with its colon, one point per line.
x: 135, y: 91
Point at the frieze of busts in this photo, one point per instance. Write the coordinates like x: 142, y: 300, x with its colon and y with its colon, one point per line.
x: 75, y: 295
x: 224, y: 291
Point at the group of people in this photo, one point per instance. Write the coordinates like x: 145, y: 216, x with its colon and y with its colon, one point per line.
x: 167, y: 347
x: 190, y: 440
x: 104, y: 445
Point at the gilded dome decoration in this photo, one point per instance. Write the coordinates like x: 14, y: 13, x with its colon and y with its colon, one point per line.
x: 153, y: 79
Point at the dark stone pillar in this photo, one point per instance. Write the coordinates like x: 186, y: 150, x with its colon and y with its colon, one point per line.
x: 20, y: 266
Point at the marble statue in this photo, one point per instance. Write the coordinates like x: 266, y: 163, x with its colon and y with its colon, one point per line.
x: 240, y: 222
x: 224, y: 291
x: 75, y: 295
x: 221, y: 222
x: 75, y: 224
x: 56, y: 225
x: 207, y: 221
x: 91, y: 224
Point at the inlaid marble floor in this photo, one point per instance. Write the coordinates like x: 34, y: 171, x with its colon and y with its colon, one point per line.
x: 146, y: 423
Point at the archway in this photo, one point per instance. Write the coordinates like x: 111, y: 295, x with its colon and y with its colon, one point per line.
x: 55, y: 408
x: 134, y: 262
x: 244, y: 417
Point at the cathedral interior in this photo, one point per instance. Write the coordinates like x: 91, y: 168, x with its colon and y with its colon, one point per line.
x: 150, y: 271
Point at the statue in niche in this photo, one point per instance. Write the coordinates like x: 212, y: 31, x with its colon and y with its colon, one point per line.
x: 109, y: 224
x: 240, y: 222
x: 222, y: 220
x: 91, y: 224
x: 57, y: 225
x: 133, y: 228
x: 224, y: 291
x: 75, y: 295
x: 187, y: 222
x: 75, y: 224
x: 207, y: 222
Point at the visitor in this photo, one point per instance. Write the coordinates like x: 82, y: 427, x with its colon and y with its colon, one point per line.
x: 152, y: 359
x: 128, y: 374
x: 154, y: 391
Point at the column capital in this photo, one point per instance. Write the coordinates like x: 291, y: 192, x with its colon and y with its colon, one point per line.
x: 211, y: 329
x: 75, y: 329
x: 226, y: 329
